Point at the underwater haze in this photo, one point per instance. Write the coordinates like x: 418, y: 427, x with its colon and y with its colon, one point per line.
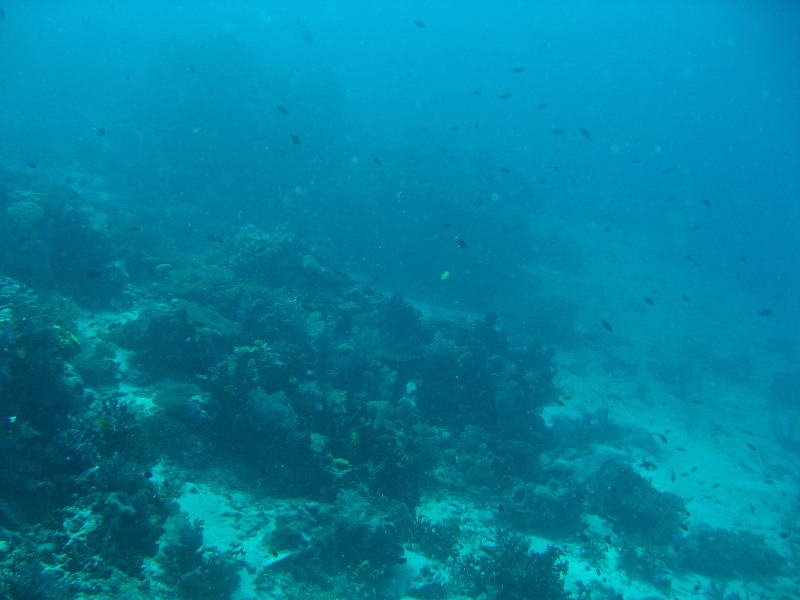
x: 429, y: 300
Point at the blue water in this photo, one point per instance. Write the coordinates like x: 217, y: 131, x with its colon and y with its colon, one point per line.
x: 596, y: 173
x: 708, y: 90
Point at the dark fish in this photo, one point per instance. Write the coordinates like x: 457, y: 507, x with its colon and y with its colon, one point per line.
x: 667, y: 171
x: 305, y: 33
x: 192, y: 70
x: 505, y: 170
x: 420, y: 24
x: 477, y: 92
x: 455, y: 127
x: 100, y: 131
x: 477, y: 124
x: 686, y: 299
x: 134, y: 229
x: 648, y: 465
x: 707, y: 202
x: 607, y: 325
x: 2, y: 14
x: 766, y: 312
x: 542, y: 106
x: 295, y: 139
x: 517, y: 69
x: 663, y: 437
x: 504, y: 96
x: 636, y: 161
x: 751, y: 446
x: 585, y: 133
x: 214, y: 238
x: 607, y: 539
x: 376, y: 160
x: 783, y: 535
x: 196, y: 324
x: 31, y: 164
x: 283, y: 110
x: 480, y: 201
x: 558, y: 131
x: 649, y: 301
x: 460, y: 242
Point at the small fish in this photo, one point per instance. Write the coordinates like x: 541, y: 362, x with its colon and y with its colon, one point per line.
x: 542, y: 106
x: 504, y: 96
x: 295, y: 140
x: 192, y: 70
x: 31, y: 164
x: 477, y: 92
x: 305, y: 33
x: 477, y: 124
x: 196, y: 324
x: 558, y: 131
x: 649, y: 300
x: 607, y: 539
x: 663, y: 437
x: 707, y: 202
x: 420, y: 24
x: 585, y: 133
x: 648, y: 465
x: 376, y: 160
x: 100, y: 131
x: 505, y: 170
x: 134, y: 229
x: 230, y: 388
x: 751, y: 446
x: 283, y: 110
x: 460, y: 242
x: 767, y: 312
x: 783, y: 535
x: 667, y: 171
x: 517, y: 69
x: 635, y: 160
x: 684, y: 526
x: 686, y: 299
x: 455, y: 128
x: 607, y: 325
